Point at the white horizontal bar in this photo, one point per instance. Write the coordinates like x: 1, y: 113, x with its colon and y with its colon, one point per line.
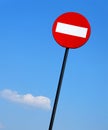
x: 71, y: 30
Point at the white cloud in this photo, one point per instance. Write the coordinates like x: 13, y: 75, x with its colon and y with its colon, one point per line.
x: 27, y: 99
x: 1, y: 126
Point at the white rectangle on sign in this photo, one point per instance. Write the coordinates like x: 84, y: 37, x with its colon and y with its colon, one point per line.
x: 71, y: 30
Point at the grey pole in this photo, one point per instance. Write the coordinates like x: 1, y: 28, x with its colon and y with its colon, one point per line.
x: 58, y: 89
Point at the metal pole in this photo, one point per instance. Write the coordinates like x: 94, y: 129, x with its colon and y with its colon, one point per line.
x: 58, y: 89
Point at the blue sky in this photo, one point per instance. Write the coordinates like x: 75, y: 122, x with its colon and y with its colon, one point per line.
x: 30, y: 63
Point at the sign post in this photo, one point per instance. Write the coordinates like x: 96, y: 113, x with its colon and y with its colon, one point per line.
x: 58, y: 88
x: 70, y: 30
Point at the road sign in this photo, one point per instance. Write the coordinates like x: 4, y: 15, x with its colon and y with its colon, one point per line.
x: 71, y: 30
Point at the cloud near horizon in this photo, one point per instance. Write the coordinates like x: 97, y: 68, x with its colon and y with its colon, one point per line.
x: 27, y: 99
x: 1, y: 126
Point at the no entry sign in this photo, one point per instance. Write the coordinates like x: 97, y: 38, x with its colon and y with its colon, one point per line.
x: 71, y: 30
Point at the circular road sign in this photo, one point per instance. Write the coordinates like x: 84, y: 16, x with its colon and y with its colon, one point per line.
x: 71, y: 30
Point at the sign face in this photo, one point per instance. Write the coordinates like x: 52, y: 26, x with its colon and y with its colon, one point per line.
x: 71, y: 30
